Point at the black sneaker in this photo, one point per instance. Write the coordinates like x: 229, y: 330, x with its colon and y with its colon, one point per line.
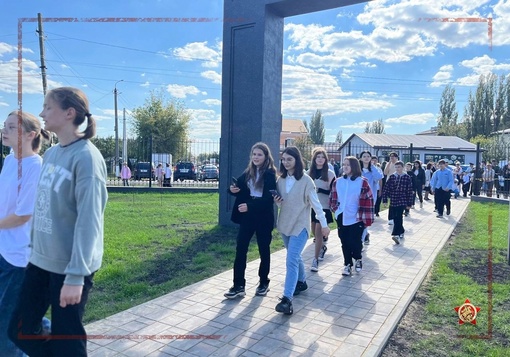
x: 262, y: 289
x: 367, y: 239
x: 285, y: 306
x: 447, y: 211
x: 234, y: 292
x: 300, y: 287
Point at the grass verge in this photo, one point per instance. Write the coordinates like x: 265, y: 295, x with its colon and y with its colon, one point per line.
x: 156, y: 243
x: 461, y: 271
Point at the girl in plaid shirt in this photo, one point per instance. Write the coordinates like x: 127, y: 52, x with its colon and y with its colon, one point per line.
x: 399, y: 189
x: 352, y: 202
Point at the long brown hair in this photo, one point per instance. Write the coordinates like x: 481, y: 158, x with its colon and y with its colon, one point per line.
x: 251, y: 170
x: 29, y: 122
x: 355, y: 167
x: 299, y: 168
x: 68, y: 97
x: 324, y: 176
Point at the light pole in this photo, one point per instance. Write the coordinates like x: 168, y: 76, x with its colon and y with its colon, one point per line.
x: 116, y: 161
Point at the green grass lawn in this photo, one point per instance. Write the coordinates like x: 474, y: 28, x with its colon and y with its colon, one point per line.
x: 159, y: 242
x: 461, y: 272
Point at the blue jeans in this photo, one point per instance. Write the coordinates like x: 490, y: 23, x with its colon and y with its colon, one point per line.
x: 11, y: 278
x: 295, y: 265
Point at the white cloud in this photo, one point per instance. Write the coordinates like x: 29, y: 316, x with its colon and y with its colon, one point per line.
x: 3, y: 104
x: 481, y: 65
x: 181, y: 91
x: 211, y: 102
x: 205, y: 123
x: 358, y: 125
x: 200, y: 51
x: 32, y: 83
x: 142, y: 75
x: 215, y: 77
x: 6, y: 48
x: 146, y: 84
x: 64, y: 66
x: 412, y: 119
x: 500, y: 24
x: 442, y: 77
x: 305, y: 90
x: 329, y: 61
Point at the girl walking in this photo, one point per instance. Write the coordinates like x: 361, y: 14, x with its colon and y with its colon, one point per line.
x: 254, y: 212
x: 419, y: 181
x: 353, y: 206
x: 323, y: 178
x: 17, y: 203
x: 296, y: 196
x: 373, y: 176
x: 67, y: 233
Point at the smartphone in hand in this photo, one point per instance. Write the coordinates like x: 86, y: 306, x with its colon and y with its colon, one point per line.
x: 234, y: 181
x: 275, y: 194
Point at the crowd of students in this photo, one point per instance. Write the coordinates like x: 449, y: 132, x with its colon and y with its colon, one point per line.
x: 350, y: 195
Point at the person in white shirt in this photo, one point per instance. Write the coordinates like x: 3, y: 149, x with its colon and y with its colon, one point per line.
x: 17, y: 203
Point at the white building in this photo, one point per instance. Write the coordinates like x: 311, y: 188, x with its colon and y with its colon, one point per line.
x: 423, y: 148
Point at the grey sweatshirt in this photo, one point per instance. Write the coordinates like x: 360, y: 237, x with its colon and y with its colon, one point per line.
x: 67, y: 231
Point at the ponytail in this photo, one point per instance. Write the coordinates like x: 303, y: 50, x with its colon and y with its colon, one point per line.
x: 90, y: 130
x: 42, y: 135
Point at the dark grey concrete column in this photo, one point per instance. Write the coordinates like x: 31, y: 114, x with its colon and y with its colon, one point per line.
x: 252, y: 81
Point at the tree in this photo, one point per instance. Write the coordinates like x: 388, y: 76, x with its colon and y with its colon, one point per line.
x: 447, y: 119
x: 375, y: 127
x: 305, y: 146
x: 317, y: 132
x: 168, y: 123
x: 339, y: 137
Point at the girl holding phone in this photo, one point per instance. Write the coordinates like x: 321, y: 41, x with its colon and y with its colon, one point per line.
x: 254, y: 212
x: 297, y: 196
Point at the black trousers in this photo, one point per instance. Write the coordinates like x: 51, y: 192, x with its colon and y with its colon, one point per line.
x: 398, y: 220
x: 442, y: 199
x: 41, y: 289
x: 350, y: 236
x: 377, y: 207
x: 465, y: 188
x: 262, y: 227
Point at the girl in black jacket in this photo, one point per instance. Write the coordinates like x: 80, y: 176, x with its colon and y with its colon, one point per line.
x: 419, y: 181
x: 254, y: 211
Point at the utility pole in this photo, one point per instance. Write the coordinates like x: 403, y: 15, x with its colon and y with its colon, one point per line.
x: 116, y: 161
x: 41, y: 49
x: 124, y: 147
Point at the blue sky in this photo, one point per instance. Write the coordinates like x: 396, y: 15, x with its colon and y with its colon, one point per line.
x: 357, y: 64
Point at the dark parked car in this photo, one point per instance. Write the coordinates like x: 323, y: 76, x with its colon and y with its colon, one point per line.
x: 143, y: 170
x: 209, y: 172
x: 185, y: 171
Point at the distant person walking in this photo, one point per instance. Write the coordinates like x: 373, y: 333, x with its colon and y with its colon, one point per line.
x: 323, y: 179
x: 389, y: 170
x: 441, y: 184
x: 254, y: 212
x: 419, y: 181
x: 296, y: 196
x: 373, y: 176
x: 125, y: 174
x: 67, y: 232
x: 399, y: 190
x: 353, y: 206
x: 17, y: 203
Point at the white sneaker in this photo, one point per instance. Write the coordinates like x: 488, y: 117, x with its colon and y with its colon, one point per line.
x: 347, y: 270
x: 390, y: 222
x: 396, y: 239
x: 315, y: 265
x: 359, y: 265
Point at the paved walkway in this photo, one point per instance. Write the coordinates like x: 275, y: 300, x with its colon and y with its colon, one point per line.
x: 336, y: 316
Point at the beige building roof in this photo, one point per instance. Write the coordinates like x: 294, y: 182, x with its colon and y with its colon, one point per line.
x: 293, y: 126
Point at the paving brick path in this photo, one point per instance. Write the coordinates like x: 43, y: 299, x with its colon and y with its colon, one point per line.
x: 337, y: 316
